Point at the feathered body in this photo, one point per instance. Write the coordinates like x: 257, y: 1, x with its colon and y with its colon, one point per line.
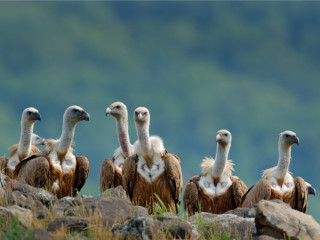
x: 215, y: 190
x: 111, y: 169
x: 56, y: 168
x: 25, y: 146
x: 152, y: 170
x: 278, y: 183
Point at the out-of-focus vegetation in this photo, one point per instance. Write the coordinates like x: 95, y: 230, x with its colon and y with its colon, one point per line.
x: 250, y: 67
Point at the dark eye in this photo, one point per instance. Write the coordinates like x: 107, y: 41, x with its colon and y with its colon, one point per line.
x: 286, y: 135
x: 75, y: 110
x: 226, y: 134
x: 145, y: 113
x: 29, y: 113
x: 118, y: 107
x: 136, y: 113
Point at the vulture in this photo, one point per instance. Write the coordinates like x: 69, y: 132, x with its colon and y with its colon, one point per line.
x: 278, y: 183
x: 37, y: 140
x: 56, y: 168
x: 215, y: 190
x: 26, y: 145
x: 111, y: 170
x: 152, y: 173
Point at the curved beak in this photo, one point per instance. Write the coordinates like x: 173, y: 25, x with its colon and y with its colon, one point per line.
x: 108, y: 111
x: 311, y: 190
x: 296, y: 140
x: 36, y: 116
x: 86, y: 116
x: 139, y: 117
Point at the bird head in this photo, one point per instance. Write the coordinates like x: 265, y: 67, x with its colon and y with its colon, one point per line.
x: 37, y: 140
x: 223, y: 137
x: 31, y: 115
x: 141, y: 115
x: 288, y: 138
x: 76, y: 114
x: 117, y: 110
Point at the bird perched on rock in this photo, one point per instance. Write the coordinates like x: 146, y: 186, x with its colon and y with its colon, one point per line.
x: 111, y: 170
x: 278, y: 183
x: 215, y: 190
x: 56, y: 168
x: 26, y: 145
x: 152, y: 170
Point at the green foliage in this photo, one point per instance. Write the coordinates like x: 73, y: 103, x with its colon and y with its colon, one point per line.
x: 159, y: 207
x: 13, y: 230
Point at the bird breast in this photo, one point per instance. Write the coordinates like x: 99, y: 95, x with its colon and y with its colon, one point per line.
x: 150, y: 174
x: 68, y: 164
x: 207, y: 185
x: 118, y: 162
x: 288, y: 184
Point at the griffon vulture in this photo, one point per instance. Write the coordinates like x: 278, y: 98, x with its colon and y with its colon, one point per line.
x: 111, y: 170
x: 152, y: 170
x: 215, y: 190
x: 56, y: 168
x: 26, y: 145
x: 278, y: 183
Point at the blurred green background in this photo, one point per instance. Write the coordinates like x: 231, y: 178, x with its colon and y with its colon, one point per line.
x: 251, y: 67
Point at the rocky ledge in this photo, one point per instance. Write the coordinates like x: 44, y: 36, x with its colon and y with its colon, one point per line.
x: 40, y: 215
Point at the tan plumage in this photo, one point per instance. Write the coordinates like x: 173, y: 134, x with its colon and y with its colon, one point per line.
x: 277, y: 182
x: 215, y: 190
x: 25, y: 147
x: 56, y: 168
x: 168, y: 185
x: 152, y: 170
x: 207, y: 164
x: 111, y: 169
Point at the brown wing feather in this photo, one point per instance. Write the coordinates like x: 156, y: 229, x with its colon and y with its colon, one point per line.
x: 190, y: 196
x: 298, y: 198
x: 26, y: 160
x: 34, y: 172
x: 129, y: 170
x: 261, y: 190
x: 81, y: 174
x: 239, y: 189
x: 174, y: 176
x: 107, y: 173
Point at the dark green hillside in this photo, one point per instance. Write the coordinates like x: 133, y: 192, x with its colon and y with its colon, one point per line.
x: 250, y: 67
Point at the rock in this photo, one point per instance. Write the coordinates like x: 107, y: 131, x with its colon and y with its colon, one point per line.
x: 265, y: 237
x: 277, y: 220
x: 177, y: 227
x: 243, y: 212
x: 151, y: 227
x: 24, y: 215
x: 114, y: 211
x: 73, y: 224
x: 237, y: 227
x: 140, y: 228
x: 118, y: 192
x: 40, y: 234
x: 15, y: 191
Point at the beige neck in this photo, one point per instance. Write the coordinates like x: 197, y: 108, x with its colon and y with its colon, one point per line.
x: 220, y: 159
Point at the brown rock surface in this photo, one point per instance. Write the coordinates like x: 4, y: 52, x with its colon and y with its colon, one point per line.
x: 73, y: 224
x: 276, y: 219
x: 24, y: 215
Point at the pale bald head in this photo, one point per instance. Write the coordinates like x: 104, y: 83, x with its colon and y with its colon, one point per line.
x: 141, y: 115
x: 37, y: 140
x: 223, y: 137
x: 288, y: 138
x: 76, y: 114
x: 117, y: 110
x: 30, y: 115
